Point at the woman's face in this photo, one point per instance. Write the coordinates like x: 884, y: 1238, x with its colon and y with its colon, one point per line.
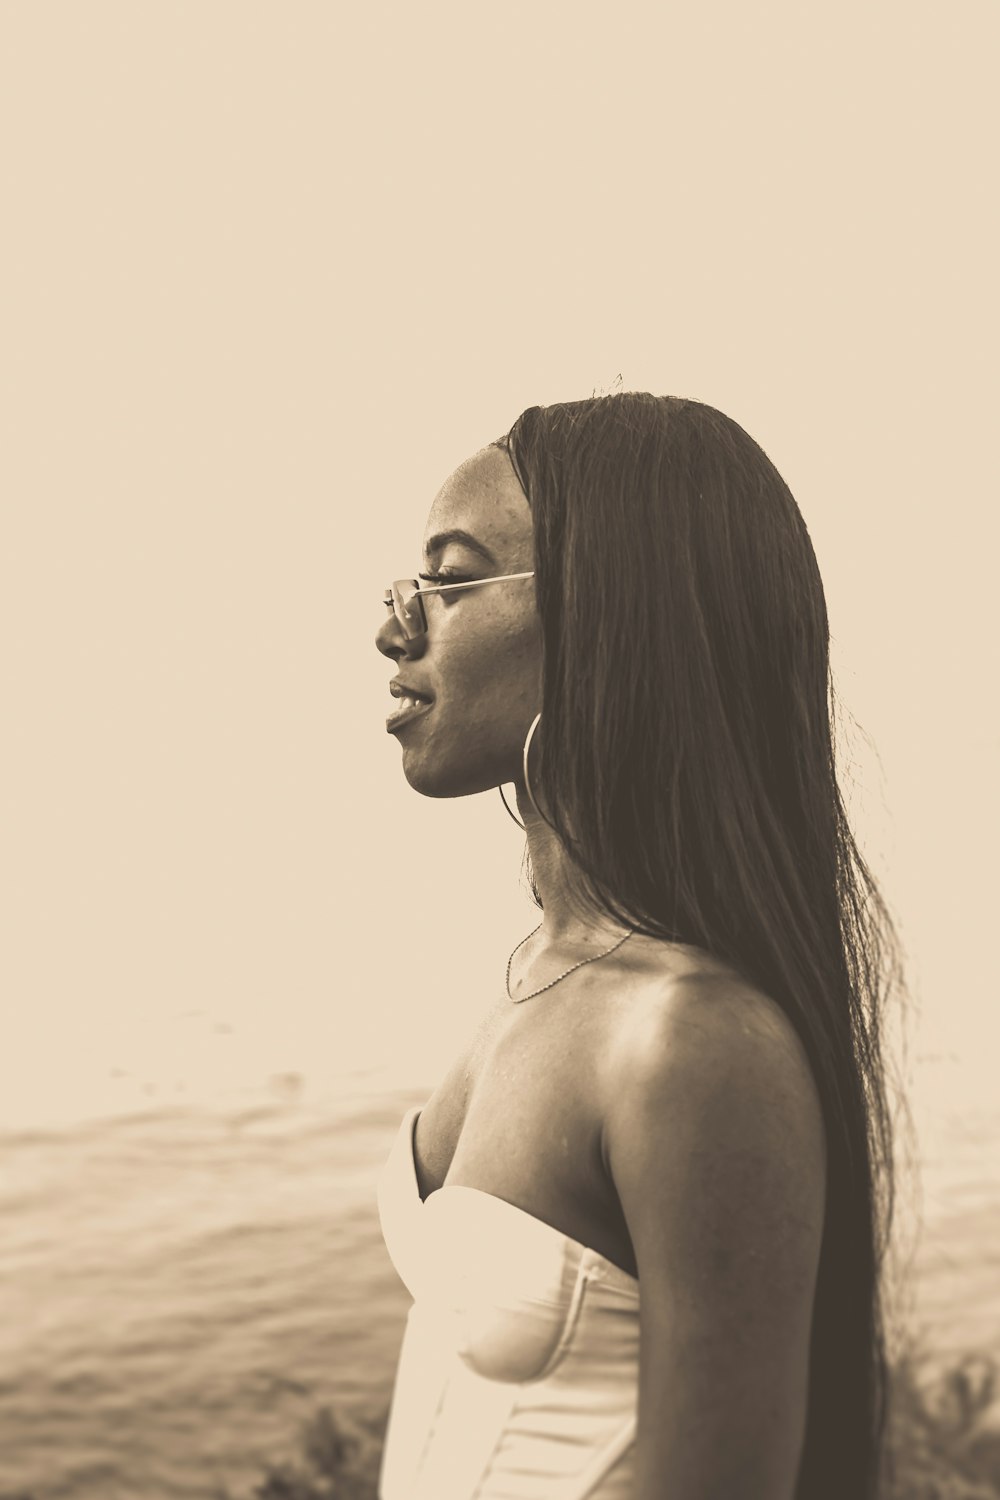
x: 480, y: 661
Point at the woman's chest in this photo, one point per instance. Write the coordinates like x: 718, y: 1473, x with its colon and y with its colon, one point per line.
x: 519, y: 1116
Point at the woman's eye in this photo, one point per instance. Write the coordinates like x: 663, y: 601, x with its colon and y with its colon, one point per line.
x: 444, y: 576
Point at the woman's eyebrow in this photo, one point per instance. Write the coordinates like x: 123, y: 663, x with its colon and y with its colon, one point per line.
x: 440, y: 540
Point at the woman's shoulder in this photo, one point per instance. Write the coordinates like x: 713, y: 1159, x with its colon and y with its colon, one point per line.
x: 712, y: 1138
x: 697, y: 1035
x: 678, y: 989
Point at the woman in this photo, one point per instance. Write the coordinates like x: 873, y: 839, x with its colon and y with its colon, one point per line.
x: 681, y: 1090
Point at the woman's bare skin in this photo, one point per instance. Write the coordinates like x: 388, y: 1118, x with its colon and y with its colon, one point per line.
x: 652, y: 1105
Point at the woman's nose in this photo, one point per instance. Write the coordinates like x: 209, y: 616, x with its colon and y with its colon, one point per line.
x: 388, y: 637
x: 390, y: 640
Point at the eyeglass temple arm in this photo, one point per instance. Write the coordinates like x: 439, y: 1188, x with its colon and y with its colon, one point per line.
x: 475, y: 583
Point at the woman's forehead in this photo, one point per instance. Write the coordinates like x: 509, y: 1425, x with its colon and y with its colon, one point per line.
x: 481, y: 500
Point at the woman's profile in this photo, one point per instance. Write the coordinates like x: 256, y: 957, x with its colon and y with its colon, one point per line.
x: 642, y: 1217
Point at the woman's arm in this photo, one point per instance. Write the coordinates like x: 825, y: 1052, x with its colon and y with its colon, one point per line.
x: 714, y: 1140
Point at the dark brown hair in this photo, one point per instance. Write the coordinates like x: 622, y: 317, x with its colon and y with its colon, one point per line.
x: 686, y: 760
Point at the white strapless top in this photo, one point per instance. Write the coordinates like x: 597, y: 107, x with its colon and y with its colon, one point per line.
x: 519, y: 1368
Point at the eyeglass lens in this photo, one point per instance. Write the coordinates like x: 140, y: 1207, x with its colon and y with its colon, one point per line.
x: 408, y: 607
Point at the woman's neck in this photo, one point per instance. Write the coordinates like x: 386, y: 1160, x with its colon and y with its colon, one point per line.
x: 563, y: 922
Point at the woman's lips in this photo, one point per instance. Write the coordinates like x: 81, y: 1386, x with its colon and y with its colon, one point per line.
x: 409, y: 708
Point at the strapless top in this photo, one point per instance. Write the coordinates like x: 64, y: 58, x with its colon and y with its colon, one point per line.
x: 519, y: 1367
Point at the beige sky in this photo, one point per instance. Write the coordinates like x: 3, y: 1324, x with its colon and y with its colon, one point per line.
x: 270, y: 273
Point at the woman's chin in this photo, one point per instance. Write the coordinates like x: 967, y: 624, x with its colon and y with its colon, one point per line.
x: 439, y: 780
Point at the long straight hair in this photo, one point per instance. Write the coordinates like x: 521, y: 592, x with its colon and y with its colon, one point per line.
x: 686, y: 761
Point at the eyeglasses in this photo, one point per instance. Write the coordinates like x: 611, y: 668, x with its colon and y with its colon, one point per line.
x: 404, y: 598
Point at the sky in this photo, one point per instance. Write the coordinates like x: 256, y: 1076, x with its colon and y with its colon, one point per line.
x: 271, y: 272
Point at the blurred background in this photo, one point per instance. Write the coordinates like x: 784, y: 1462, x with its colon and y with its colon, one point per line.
x: 270, y: 272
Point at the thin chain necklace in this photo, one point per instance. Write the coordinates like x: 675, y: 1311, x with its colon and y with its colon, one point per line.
x: 593, y: 959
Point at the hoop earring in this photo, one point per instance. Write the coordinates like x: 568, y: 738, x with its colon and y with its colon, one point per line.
x: 531, y: 795
x: 517, y: 820
x: 524, y: 761
x: 527, y: 778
